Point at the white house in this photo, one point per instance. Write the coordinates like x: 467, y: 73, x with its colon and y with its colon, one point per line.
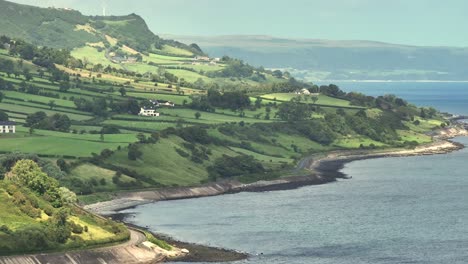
x: 148, y: 112
x: 202, y: 58
x: 161, y: 103
x: 303, y: 91
x: 7, y: 127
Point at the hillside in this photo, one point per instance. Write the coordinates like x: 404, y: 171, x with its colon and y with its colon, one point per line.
x: 63, y: 28
x: 86, y: 121
x: 36, y: 214
x: 340, y: 60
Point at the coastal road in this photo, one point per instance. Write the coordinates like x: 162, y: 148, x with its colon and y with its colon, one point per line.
x: 128, y: 253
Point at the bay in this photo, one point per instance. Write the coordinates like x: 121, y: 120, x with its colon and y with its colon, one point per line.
x: 393, y: 210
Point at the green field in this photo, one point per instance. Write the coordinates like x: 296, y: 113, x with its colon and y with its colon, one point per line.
x: 190, y: 76
x: 322, y: 99
x: 176, y: 51
x: 57, y: 143
x: 30, y: 108
x: 92, y: 55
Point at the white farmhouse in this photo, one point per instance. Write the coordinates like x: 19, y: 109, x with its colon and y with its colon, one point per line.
x: 7, y: 127
x: 148, y: 112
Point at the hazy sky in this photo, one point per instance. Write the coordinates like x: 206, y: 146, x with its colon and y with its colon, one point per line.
x: 416, y: 22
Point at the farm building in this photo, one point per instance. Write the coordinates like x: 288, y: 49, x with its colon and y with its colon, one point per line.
x: 148, y: 112
x: 7, y: 127
x: 202, y: 58
x: 161, y: 103
x: 303, y: 91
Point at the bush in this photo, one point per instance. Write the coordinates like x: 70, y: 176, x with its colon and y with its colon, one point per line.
x: 227, y: 166
x: 76, y: 228
x: 49, y: 210
x: 182, y: 153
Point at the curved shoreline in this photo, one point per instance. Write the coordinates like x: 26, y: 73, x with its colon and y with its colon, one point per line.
x: 323, y: 169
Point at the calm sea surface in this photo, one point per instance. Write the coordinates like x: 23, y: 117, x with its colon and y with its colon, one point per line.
x: 393, y: 210
x: 450, y: 97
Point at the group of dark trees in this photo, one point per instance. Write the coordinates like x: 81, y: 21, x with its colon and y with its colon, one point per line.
x: 56, y: 122
x: 3, y: 114
x: 228, y: 167
x: 294, y: 111
x: 131, y: 106
x: 97, y: 106
x: 42, y: 56
x: 234, y: 100
x: 234, y: 68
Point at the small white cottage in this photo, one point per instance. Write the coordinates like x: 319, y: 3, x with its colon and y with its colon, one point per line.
x: 148, y: 112
x: 7, y: 127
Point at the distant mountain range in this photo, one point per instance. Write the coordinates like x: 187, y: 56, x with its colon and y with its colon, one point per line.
x: 315, y: 59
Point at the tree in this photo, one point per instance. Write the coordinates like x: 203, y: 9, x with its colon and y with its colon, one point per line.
x: 197, y: 115
x: 28, y: 173
x: 64, y: 86
x: 315, y: 99
x: 1, y: 96
x: 178, y: 89
x: 68, y: 197
x: 52, y: 104
x: 40, y: 73
x: 3, y: 116
x: 133, y: 152
x: 294, y: 111
x: 258, y: 102
x: 27, y: 74
x: 123, y: 92
x: 155, y: 136
x: 35, y: 118
x: 141, y: 138
x: 63, y: 165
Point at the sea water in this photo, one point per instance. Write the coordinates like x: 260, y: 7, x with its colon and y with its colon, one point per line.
x: 451, y: 97
x: 393, y: 210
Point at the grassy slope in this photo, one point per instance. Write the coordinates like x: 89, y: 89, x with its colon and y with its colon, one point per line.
x: 12, y: 217
x: 162, y: 163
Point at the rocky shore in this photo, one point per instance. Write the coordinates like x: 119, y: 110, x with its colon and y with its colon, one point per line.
x: 324, y: 169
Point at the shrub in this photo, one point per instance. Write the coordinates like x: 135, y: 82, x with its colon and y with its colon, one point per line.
x: 76, y: 228
x: 182, y: 153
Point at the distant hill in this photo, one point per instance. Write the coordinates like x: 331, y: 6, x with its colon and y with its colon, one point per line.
x: 65, y: 28
x: 340, y: 60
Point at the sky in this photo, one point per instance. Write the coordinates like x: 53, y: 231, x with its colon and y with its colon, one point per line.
x: 412, y: 22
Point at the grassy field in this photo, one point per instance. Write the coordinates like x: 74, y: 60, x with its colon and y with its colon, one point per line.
x: 176, y: 99
x: 87, y: 172
x: 162, y: 162
x: 29, y: 108
x: 190, y: 76
x: 92, y: 55
x: 163, y: 59
x: 322, y: 99
x: 176, y: 51
x: 58, y: 143
x: 37, y: 98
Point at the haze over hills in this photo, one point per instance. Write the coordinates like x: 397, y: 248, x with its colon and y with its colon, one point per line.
x: 67, y: 28
x: 315, y: 59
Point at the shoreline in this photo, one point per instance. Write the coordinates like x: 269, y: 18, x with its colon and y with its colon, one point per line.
x: 323, y: 169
